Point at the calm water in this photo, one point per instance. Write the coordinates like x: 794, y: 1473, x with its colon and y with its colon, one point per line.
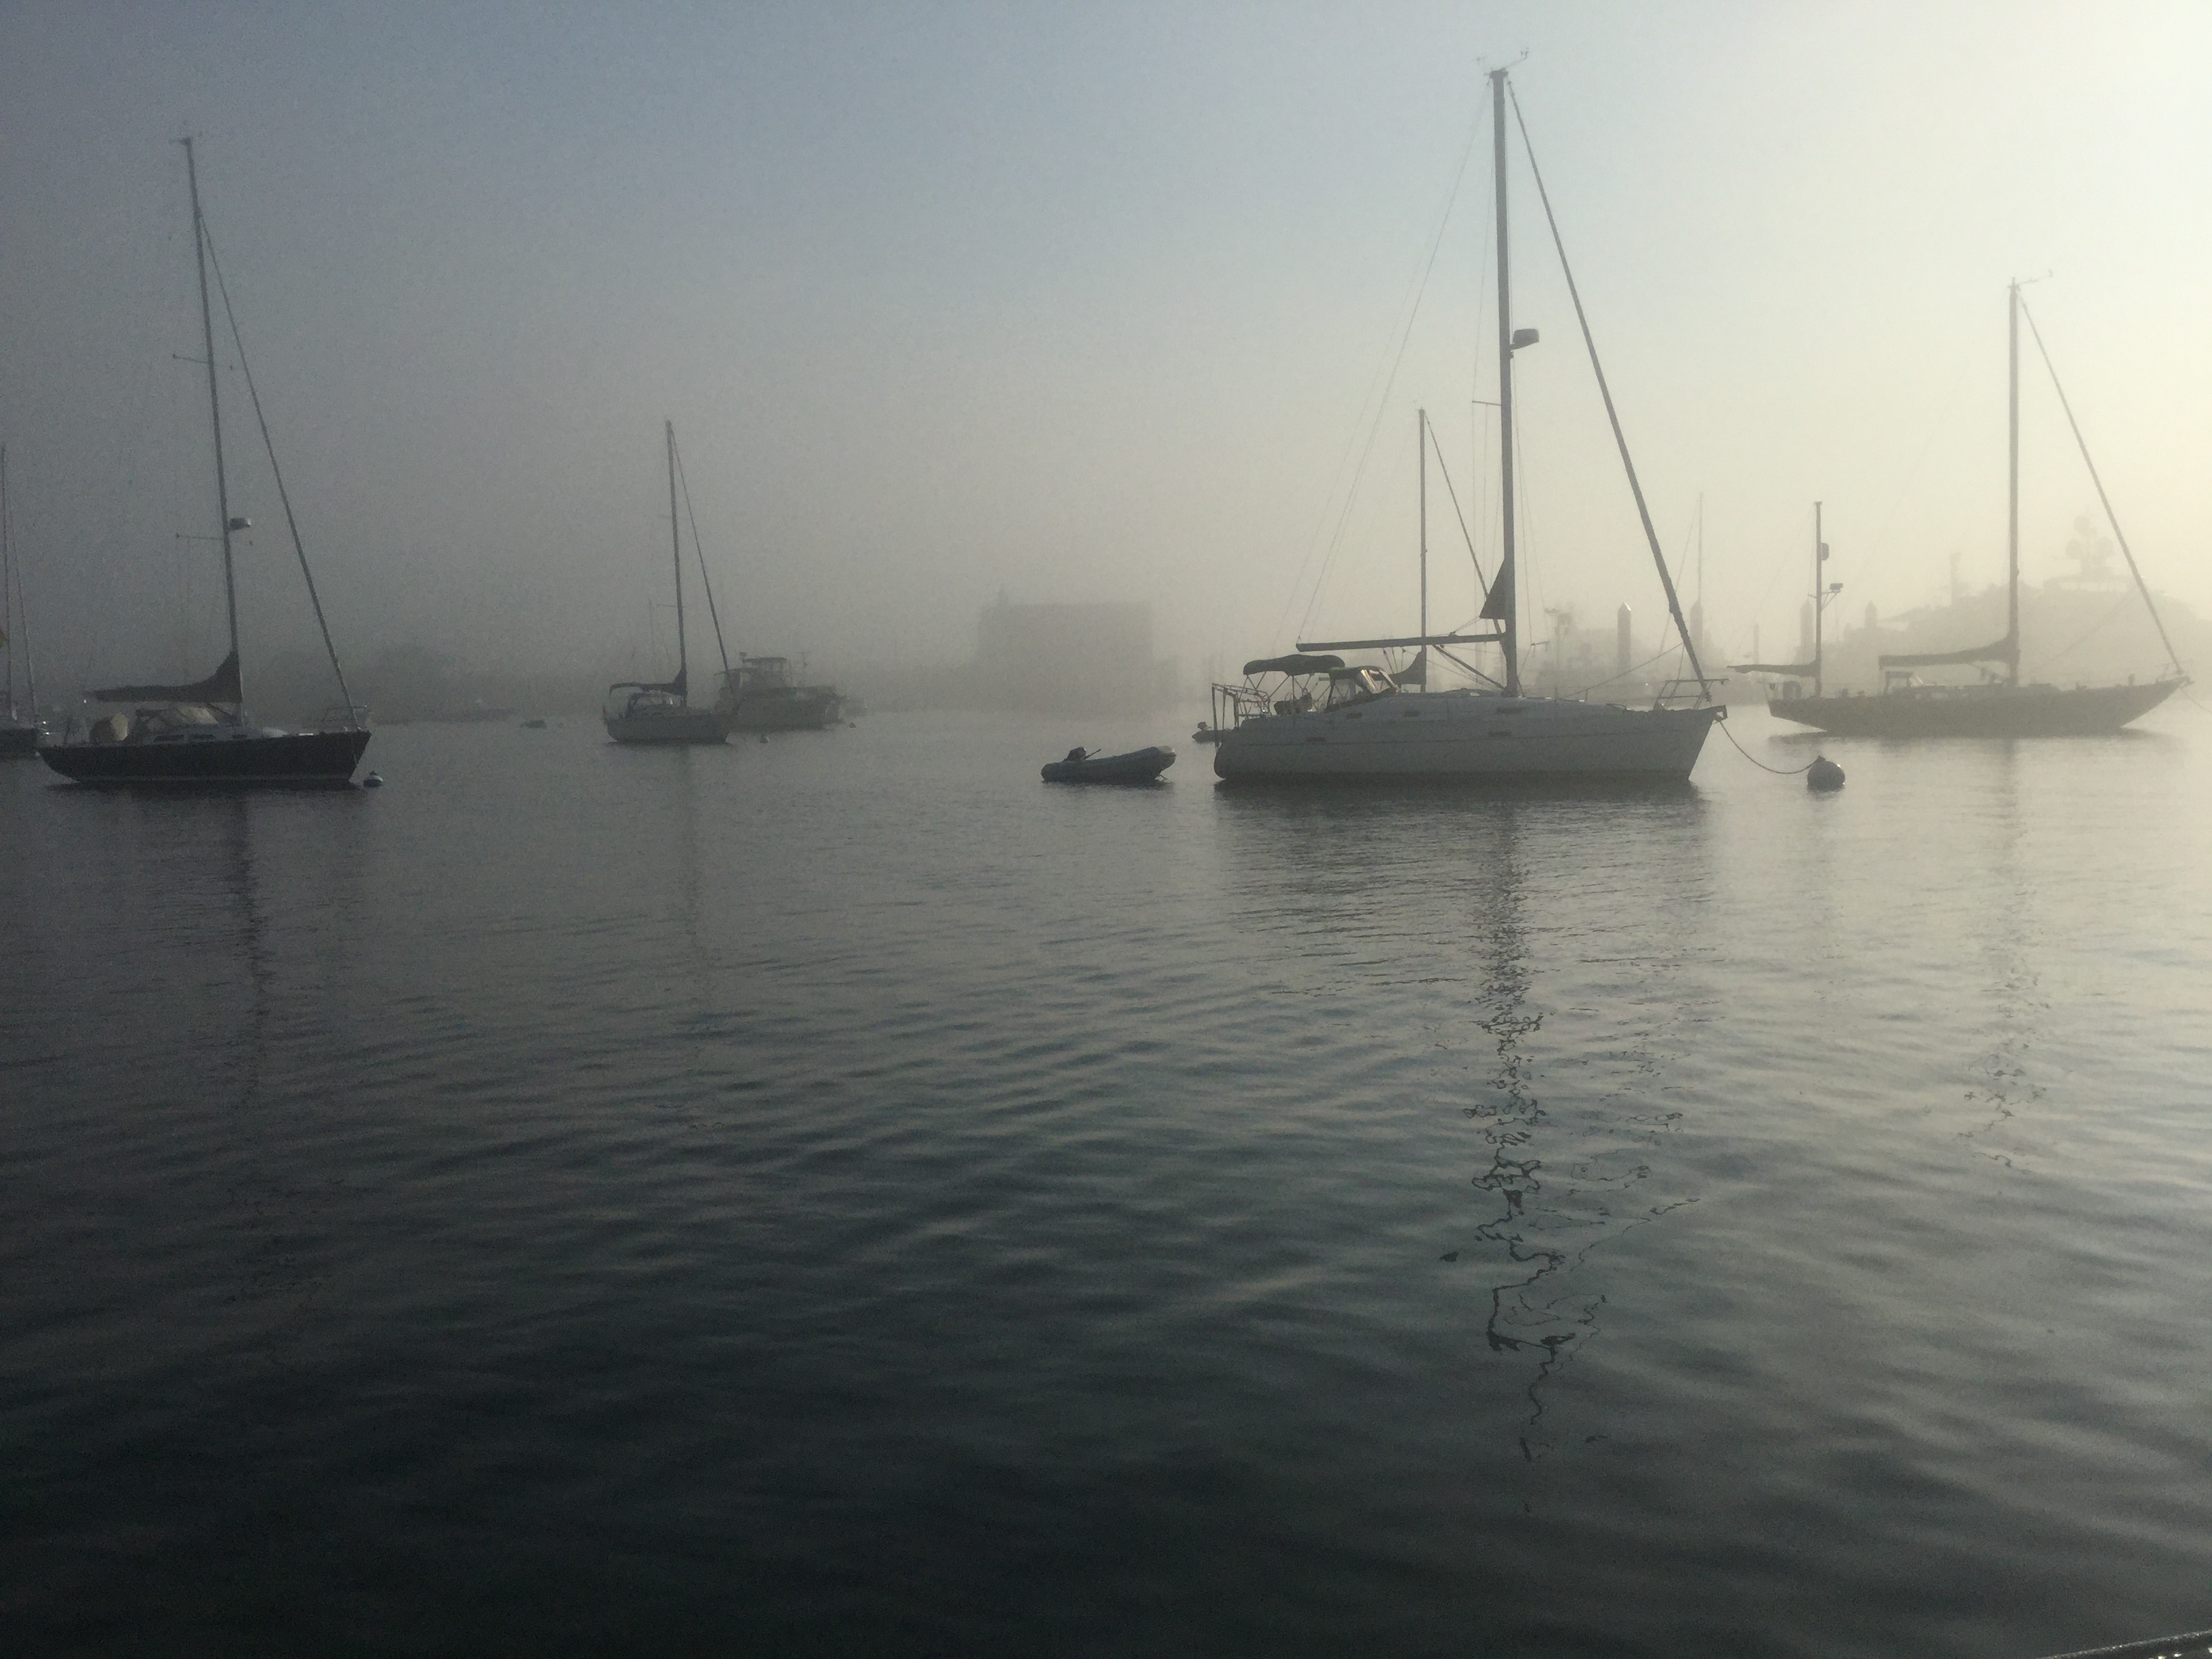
x: 840, y: 1195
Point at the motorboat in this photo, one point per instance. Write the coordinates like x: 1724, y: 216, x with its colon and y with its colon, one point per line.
x: 1138, y: 766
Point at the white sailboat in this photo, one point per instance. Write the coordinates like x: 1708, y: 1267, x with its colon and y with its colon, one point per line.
x: 1362, y: 727
x: 661, y: 712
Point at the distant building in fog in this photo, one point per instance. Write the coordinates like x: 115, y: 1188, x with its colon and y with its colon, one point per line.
x: 1053, y: 659
x: 1068, y: 657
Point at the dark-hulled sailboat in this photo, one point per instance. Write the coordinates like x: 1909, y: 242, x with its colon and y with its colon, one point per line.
x: 662, y: 712
x: 1995, y: 708
x: 199, y: 734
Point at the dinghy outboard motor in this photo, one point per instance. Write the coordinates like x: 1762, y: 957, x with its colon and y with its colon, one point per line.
x: 1824, y: 774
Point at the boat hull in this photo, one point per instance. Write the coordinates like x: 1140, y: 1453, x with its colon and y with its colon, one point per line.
x: 304, y: 759
x: 18, y: 742
x: 1467, y: 738
x: 805, y: 711
x: 690, y: 726
x: 2000, y: 711
x: 1138, y: 766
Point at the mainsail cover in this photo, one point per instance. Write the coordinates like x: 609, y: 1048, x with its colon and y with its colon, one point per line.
x: 2006, y: 650
x: 222, y: 686
x: 1801, y: 670
x: 1299, y: 664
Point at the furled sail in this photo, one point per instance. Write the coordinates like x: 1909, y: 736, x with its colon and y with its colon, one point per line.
x: 1299, y: 664
x: 222, y: 686
x: 1800, y: 670
x: 2005, y: 650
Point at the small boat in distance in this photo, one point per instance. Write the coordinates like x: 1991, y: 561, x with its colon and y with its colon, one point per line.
x: 1908, y: 707
x: 1138, y: 766
x: 661, y: 713
x: 19, y: 728
x: 198, y: 733
x: 764, y: 695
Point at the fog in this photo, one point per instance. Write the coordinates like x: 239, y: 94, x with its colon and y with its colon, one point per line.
x: 1073, y: 303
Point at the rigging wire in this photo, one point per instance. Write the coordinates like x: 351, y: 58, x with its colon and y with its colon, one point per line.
x: 1481, y: 580
x: 700, y: 550
x: 1381, y: 400
x: 353, y: 721
x: 1664, y: 651
x: 2111, y: 517
x: 2044, y: 663
x: 1605, y: 392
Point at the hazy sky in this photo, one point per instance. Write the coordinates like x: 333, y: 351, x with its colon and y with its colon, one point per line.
x: 1075, y: 301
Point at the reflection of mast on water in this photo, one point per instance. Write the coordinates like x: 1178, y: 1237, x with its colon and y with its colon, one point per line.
x: 1558, y: 1178
x: 276, y: 1212
x: 2004, y: 1086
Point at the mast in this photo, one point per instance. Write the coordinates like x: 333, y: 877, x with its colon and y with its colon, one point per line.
x: 214, y: 410
x: 1819, y: 552
x: 2012, y: 527
x: 1502, y: 609
x: 1422, y: 442
x: 676, y: 551
x: 8, y: 582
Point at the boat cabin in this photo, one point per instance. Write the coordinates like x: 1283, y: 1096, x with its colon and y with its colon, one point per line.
x: 1348, y: 686
x: 1296, y: 684
x: 645, y: 701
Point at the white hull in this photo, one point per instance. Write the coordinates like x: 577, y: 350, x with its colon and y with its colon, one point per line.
x: 1465, y: 735
x: 673, y: 726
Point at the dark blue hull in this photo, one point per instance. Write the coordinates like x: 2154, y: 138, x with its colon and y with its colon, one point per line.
x: 305, y: 759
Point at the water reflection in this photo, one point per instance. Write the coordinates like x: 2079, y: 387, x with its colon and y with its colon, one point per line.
x: 1541, y: 968
x: 276, y: 1217
x: 2004, y: 1085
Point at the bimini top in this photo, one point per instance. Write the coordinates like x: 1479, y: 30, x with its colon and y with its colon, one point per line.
x: 1298, y: 663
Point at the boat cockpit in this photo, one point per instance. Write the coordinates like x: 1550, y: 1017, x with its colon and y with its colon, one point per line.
x: 646, y: 702
x: 1351, y: 686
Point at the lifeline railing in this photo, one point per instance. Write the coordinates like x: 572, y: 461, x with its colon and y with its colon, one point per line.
x: 2159, y: 1647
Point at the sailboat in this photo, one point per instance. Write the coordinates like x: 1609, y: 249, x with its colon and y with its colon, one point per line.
x: 1996, y: 707
x: 1792, y: 672
x: 1362, y: 727
x: 19, y: 728
x: 198, y: 733
x: 661, y: 713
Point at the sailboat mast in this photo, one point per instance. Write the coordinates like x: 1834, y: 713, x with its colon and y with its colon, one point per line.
x: 1819, y: 552
x: 1502, y: 607
x: 676, y: 550
x: 2012, y: 527
x: 8, y: 582
x: 1421, y: 437
x: 215, y: 409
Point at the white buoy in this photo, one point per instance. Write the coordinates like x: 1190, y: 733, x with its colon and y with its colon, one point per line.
x: 372, y: 781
